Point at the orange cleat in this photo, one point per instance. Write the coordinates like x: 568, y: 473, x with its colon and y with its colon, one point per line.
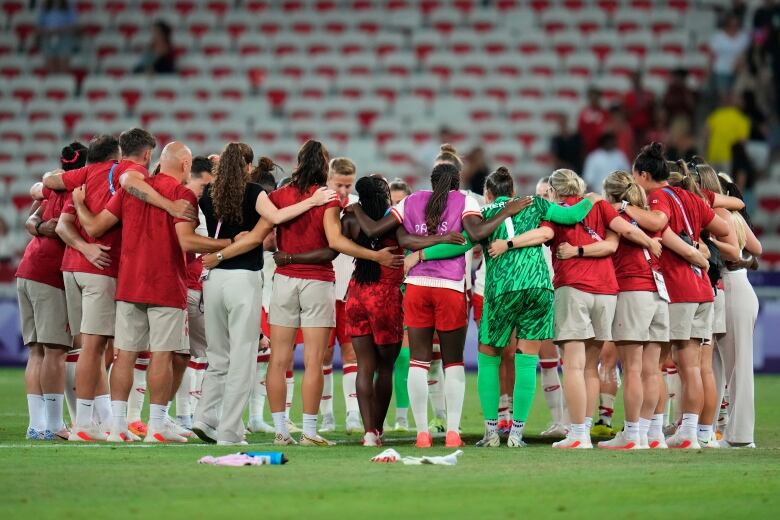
x: 453, y: 440
x: 138, y: 428
x: 424, y: 440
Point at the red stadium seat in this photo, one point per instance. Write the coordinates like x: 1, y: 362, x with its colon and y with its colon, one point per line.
x: 25, y: 88
x: 251, y: 44
x: 218, y: 7
x: 59, y: 87
x: 13, y: 66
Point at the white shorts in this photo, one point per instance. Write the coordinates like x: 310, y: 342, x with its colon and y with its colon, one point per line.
x: 141, y: 327
x: 91, y: 305
x: 580, y: 315
x: 43, y: 313
x: 641, y: 317
x: 298, y: 302
x: 690, y: 321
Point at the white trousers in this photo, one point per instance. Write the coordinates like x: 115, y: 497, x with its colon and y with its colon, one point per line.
x: 231, y: 300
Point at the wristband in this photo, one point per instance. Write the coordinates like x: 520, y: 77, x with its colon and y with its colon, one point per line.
x: 623, y: 207
x: 219, y: 256
x: 38, y: 226
x: 509, y: 244
x: 580, y: 251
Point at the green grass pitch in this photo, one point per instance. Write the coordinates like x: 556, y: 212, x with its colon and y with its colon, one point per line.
x: 57, y: 480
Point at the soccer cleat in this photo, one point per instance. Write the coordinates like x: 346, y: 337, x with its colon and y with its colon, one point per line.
x: 204, y: 432
x: 163, y: 435
x: 231, y: 443
x: 515, y: 440
x: 504, y: 426
x: 620, y: 442
x: 292, y: 428
x: 179, y: 430
x: 354, y: 425
x: 258, y: 425
x: 453, y: 440
x: 316, y: 440
x: 490, y: 440
x: 62, y: 434
x: 34, y: 435
x: 669, y: 429
x: 555, y: 430
x: 91, y: 434
x: 121, y: 436
x: 401, y: 425
x: 726, y: 444
x: 437, y: 425
x: 602, y: 429
x: 372, y: 439
x: 682, y: 441
x: 185, y: 421
x: 138, y: 427
x: 328, y: 424
x: 712, y: 443
x: 656, y: 443
x: 424, y: 440
x: 574, y: 443
x: 284, y: 440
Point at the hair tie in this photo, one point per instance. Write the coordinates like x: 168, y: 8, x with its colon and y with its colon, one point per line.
x: 68, y: 161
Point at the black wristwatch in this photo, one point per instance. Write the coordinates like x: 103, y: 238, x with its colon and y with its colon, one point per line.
x: 580, y: 251
x: 509, y: 244
x: 38, y: 227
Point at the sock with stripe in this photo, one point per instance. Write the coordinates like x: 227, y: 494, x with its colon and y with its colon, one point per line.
x: 631, y: 430
x: 348, y: 382
x: 258, y: 394
x: 400, y: 388
x: 37, y: 412
x: 436, y: 385
x: 705, y: 432
x: 84, y: 409
x: 454, y: 392
x: 199, y: 366
x: 525, y: 385
x: 418, y: 393
x: 290, y: 382
x: 589, y: 423
x: 488, y: 385
x: 53, y: 411
x: 135, y: 401
x: 326, y: 401
x: 103, y: 413
x: 606, y: 408
x: 553, y: 392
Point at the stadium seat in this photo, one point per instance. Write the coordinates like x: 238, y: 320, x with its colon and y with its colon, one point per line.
x: 337, y: 108
x: 269, y: 130
x: 590, y: 21
x: 25, y: 88
x: 662, y: 20
x: 59, y: 87
x: 661, y: 64
x: 386, y: 42
x: 638, y: 42
x: 215, y: 43
x: 673, y: 43
x: 570, y: 87
x: 386, y: 129
x: 566, y: 42
x: 425, y: 87
x: 13, y: 66
x: 387, y: 87
x: 543, y: 64
x: 531, y: 86
x: 603, y: 43
x: 621, y: 64
x: 556, y: 20
x: 424, y: 42
x: 509, y: 65
x: 498, y: 88
x: 583, y: 64
x: 442, y: 64
x: 400, y: 64
x: 7, y: 45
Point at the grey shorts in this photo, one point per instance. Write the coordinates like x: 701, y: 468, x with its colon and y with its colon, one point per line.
x: 141, y: 327
x: 43, y: 313
x: 197, y: 323
x: 641, y: 317
x: 91, y: 305
x: 580, y: 315
x: 690, y: 321
x: 297, y: 302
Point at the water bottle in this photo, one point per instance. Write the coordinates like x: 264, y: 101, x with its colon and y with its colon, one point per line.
x: 269, y: 457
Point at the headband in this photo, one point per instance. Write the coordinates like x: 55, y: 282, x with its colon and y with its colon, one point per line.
x: 68, y: 161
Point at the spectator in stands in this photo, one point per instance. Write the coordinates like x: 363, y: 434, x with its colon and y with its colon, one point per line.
x: 727, y: 46
x: 726, y: 126
x: 679, y: 99
x: 427, y: 154
x: 604, y: 160
x: 566, y: 146
x: 475, y: 170
x: 624, y: 134
x: 681, y: 143
x: 766, y: 18
x: 57, y: 32
x: 639, y: 106
x: 160, y: 56
x: 772, y: 48
x: 592, y: 120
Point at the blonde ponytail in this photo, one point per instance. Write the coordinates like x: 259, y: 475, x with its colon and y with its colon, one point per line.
x: 566, y: 183
x: 620, y: 186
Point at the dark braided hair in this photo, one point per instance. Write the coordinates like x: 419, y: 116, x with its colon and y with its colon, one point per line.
x: 445, y: 177
x: 374, y: 193
x: 312, y: 169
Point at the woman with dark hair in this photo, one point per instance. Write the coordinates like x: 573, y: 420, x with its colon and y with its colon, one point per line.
x: 160, y: 56
x: 303, y: 294
x: 231, y: 293
x: 42, y: 308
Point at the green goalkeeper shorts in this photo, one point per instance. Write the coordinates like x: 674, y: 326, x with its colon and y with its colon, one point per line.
x: 528, y: 312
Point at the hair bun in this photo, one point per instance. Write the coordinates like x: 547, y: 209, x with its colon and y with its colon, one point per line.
x: 503, y: 171
x: 265, y: 165
x: 448, y: 148
x: 656, y: 149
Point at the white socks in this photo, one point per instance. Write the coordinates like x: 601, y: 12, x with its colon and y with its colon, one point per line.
x: 579, y: 430
x: 690, y: 423
x: 53, y: 411
x: 70, y: 383
x: 258, y: 393
x: 644, y: 426
x: 401, y: 414
x: 184, y: 405
x: 349, y: 382
x: 84, y: 409
x: 158, y: 416
x: 491, y: 427
x: 135, y: 401
x: 631, y: 429
x: 36, y: 411
x: 103, y: 413
x: 417, y: 385
x: 310, y: 424
x: 326, y: 401
x: 553, y: 392
x: 436, y: 385
x: 589, y: 423
x: 454, y: 392
x: 290, y: 381
x: 656, y: 430
x: 119, y: 410
x: 705, y: 433
x: 280, y: 423
x: 517, y: 428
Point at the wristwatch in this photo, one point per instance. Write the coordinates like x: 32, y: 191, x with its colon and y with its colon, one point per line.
x: 509, y: 244
x: 38, y: 226
x: 580, y: 251
x: 623, y: 206
x: 219, y: 256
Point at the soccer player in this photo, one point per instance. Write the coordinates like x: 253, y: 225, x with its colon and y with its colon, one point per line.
x: 690, y: 293
x: 42, y: 308
x: 151, y: 291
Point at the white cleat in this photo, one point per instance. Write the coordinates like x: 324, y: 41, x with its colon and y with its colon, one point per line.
x: 327, y: 425
x: 372, y: 440
x: 574, y: 443
x: 555, y: 430
x: 292, y: 428
x: 317, y: 440
x: 726, y: 444
x: 621, y: 442
x: 401, y: 425
x: 35, y: 435
x: 490, y: 440
x: 163, y: 435
x: 712, y: 443
x: 656, y: 443
x: 682, y: 441
x: 178, y: 429
x: 91, y: 434
x: 231, y: 443
x: 284, y: 440
x: 121, y: 436
x: 258, y: 425
x: 515, y: 440
x: 354, y: 425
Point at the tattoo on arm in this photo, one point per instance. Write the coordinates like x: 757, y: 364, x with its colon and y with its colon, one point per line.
x: 138, y: 194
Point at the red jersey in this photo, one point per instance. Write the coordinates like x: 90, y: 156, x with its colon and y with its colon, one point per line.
x: 591, y: 124
x: 591, y: 275
x: 194, y: 270
x: 97, y: 192
x: 43, y: 255
x: 152, y: 268
x: 302, y: 234
x: 632, y: 269
x: 682, y: 281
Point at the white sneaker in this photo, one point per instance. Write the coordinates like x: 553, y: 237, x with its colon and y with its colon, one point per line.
x: 35, y: 435
x: 401, y: 424
x: 643, y: 445
x: 292, y: 428
x: 515, y: 440
x: 656, y: 443
x: 204, y: 432
x: 372, y: 440
x: 317, y: 440
x: 712, y: 443
x: 726, y: 444
x: 119, y: 435
x: 354, y: 424
x: 555, y: 430
x: 621, y: 442
x: 682, y: 441
x: 91, y: 434
x: 258, y: 425
x: 231, y: 443
x: 164, y: 434
x: 284, y: 440
x: 490, y: 440
x: 572, y: 442
x: 185, y: 421
x: 178, y: 429
x: 328, y: 424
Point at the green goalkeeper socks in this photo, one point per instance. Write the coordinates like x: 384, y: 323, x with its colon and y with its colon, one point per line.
x: 400, y: 377
x: 488, y: 385
x: 525, y: 385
